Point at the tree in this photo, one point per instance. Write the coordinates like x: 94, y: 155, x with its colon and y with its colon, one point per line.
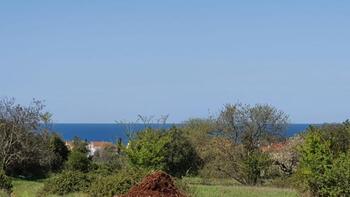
x: 78, y: 158
x: 148, y: 149
x: 230, y: 160
x: 163, y: 149
x: 242, y: 130
x: 182, y: 157
x: 78, y: 161
x: 59, y: 150
x: 324, y: 168
x: 23, y: 137
x: 199, y: 132
x: 252, y: 126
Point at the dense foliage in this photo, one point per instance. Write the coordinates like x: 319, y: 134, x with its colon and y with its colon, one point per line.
x: 182, y: 157
x: 117, y: 183
x: 324, y: 168
x: 160, y: 149
x: 78, y: 161
x: 148, y: 149
x: 67, y: 182
x: 60, y: 152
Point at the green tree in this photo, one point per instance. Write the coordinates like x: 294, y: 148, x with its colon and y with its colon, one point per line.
x: 148, y: 149
x: 200, y: 132
x: 182, y: 157
x: 78, y: 158
x: 59, y: 150
x: 78, y: 161
x: 324, y: 168
x: 163, y: 149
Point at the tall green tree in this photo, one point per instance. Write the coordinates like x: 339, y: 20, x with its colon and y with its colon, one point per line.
x: 182, y: 157
x: 60, y: 152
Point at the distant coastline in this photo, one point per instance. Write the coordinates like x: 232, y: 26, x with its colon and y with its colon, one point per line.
x: 110, y: 132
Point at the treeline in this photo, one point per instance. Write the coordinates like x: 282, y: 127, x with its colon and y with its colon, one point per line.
x: 244, y: 143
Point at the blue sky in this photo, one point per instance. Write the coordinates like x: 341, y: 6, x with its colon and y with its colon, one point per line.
x: 101, y: 61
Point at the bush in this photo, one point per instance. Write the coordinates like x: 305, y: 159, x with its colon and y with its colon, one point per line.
x: 78, y: 161
x: 168, y: 150
x: 116, y: 184
x: 182, y: 158
x: 336, y: 180
x: 255, y: 167
x: 59, y: 150
x: 315, y: 159
x: 324, y: 162
x: 148, y: 149
x: 230, y: 160
x: 5, y: 182
x: 67, y: 182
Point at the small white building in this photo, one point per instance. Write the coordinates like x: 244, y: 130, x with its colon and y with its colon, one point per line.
x: 95, y: 146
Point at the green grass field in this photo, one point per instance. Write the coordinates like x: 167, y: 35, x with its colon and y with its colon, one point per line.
x: 240, y: 191
x: 25, y: 188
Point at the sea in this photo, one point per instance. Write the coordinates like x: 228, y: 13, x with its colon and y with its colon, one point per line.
x: 113, y: 132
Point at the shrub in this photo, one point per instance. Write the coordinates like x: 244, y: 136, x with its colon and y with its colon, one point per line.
x: 78, y: 161
x: 67, y: 182
x: 5, y: 182
x: 315, y: 159
x: 116, y: 184
x: 324, y: 168
x: 168, y: 150
x: 182, y: 158
x: 148, y: 149
x: 59, y: 150
x: 255, y: 167
x: 336, y: 180
x: 231, y: 160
